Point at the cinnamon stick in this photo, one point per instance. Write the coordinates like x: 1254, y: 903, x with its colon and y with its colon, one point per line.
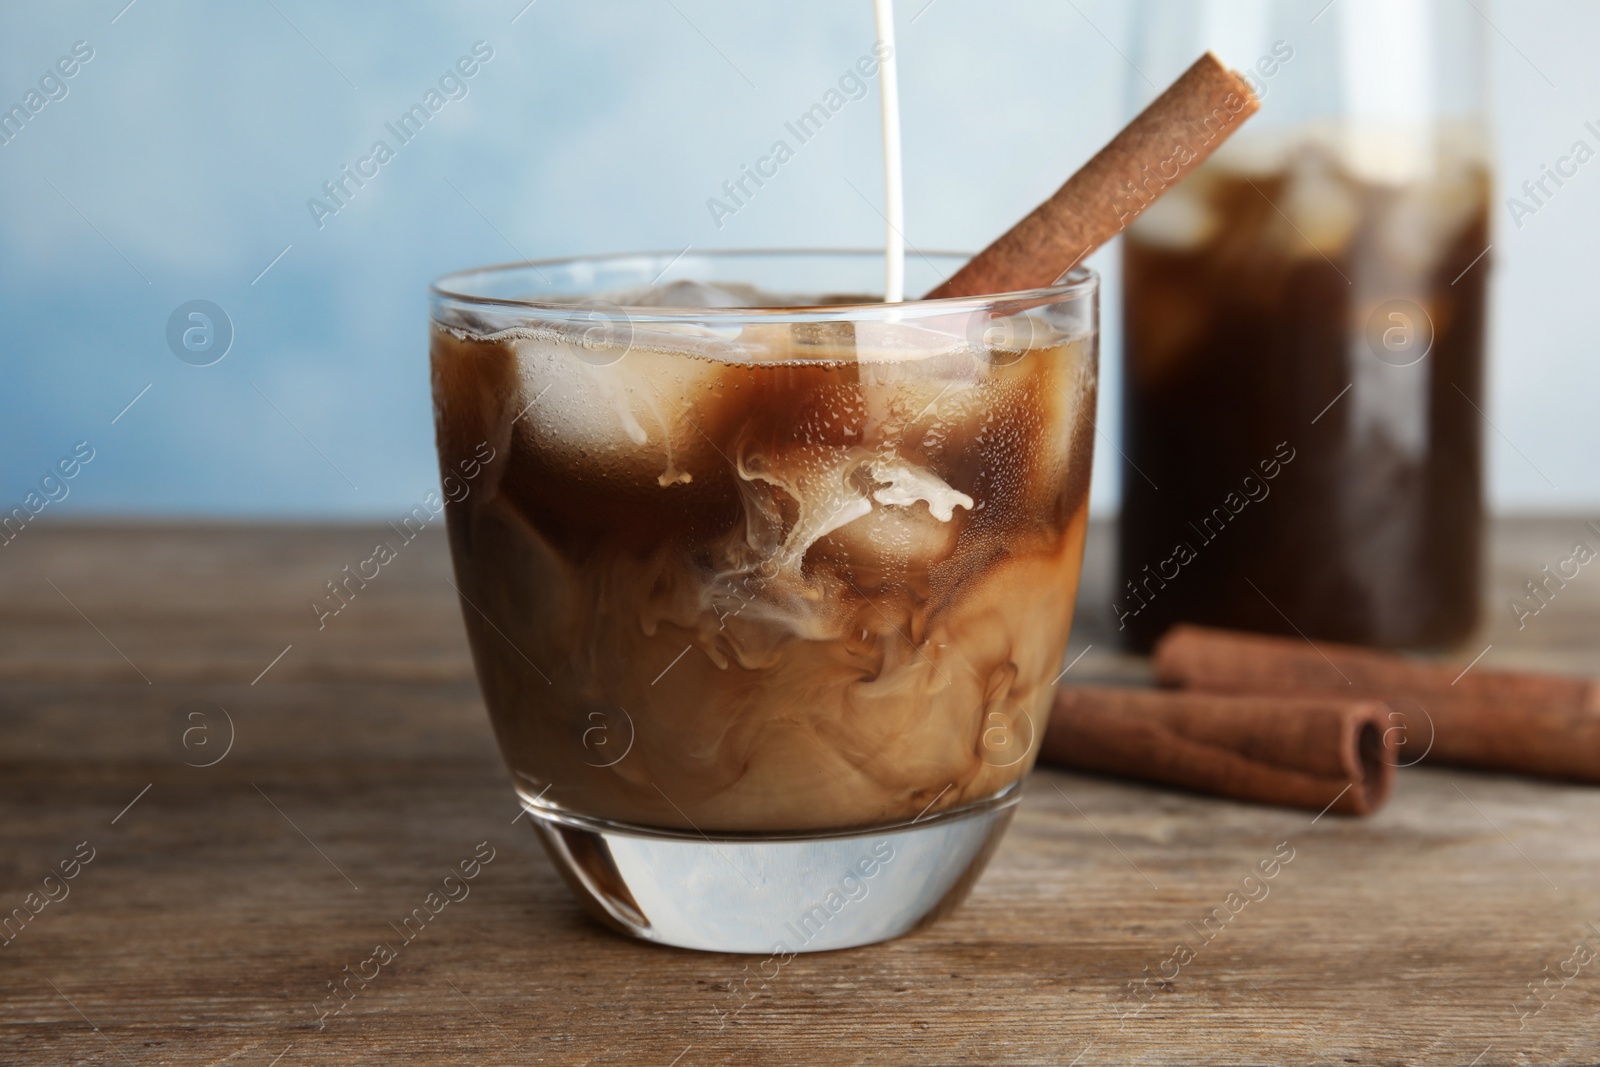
x: 1334, y: 754
x: 1154, y: 152
x: 1536, y: 724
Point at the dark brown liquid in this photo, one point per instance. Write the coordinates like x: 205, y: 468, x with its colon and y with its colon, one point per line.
x: 1254, y: 503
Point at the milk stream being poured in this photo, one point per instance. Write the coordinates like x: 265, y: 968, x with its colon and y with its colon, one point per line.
x: 894, y: 281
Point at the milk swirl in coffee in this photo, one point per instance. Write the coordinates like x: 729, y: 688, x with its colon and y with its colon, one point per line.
x: 768, y: 577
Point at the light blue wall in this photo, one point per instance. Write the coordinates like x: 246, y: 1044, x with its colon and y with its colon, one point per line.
x: 180, y: 161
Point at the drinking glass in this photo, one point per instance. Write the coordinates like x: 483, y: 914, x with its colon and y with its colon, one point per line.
x: 1303, y: 408
x: 767, y: 583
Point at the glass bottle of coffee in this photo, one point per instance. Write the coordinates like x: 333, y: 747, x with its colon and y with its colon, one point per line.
x: 1304, y: 327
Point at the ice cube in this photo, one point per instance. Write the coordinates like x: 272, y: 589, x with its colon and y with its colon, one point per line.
x: 1182, y: 219
x: 1322, y: 209
x: 634, y: 415
x: 1418, y: 225
x: 898, y: 532
x: 1250, y: 155
x: 689, y: 294
x: 796, y: 495
x: 888, y: 341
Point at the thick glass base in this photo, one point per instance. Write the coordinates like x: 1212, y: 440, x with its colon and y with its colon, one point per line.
x: 774, y: 895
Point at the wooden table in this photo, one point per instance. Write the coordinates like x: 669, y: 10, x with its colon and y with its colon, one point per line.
x: 222, y: 900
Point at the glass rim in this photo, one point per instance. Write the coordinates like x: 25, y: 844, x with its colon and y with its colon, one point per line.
x: 1078, y: 282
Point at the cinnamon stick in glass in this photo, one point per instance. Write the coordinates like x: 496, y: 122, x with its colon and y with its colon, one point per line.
x: 1330, y: 753
x: 1154, y: 152
x: 1535, y: 724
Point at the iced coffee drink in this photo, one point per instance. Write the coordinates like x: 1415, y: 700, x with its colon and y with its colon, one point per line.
x: 762, y: 566
x: 1303, y: 393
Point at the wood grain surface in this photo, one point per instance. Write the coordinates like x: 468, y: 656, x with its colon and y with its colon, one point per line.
x: 222, y: 900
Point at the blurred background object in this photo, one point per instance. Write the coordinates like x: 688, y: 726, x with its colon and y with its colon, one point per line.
x: 1305, y: 325
x: 178, y: 163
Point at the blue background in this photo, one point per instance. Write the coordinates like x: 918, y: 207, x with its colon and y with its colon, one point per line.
x: 180, y: 162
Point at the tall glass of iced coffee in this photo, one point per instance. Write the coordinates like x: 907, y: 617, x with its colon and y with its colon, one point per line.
x: 767, y: 583
x: 1306, y: 333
